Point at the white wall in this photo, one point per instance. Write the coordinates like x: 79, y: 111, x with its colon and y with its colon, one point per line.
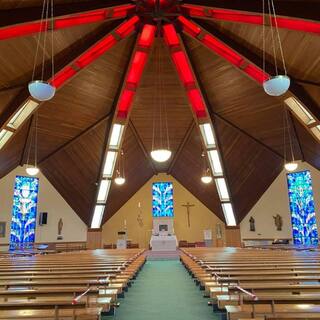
x: 49, y: 200
x: 275, y: 201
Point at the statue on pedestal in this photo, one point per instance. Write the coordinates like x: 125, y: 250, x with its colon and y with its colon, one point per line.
x: 252, y: 224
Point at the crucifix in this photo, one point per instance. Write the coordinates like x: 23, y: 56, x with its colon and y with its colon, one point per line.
x: 188, y: 206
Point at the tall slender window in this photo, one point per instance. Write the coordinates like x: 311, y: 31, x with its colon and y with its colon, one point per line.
x: 24, y: 212
x: 162, y: 199
x: 303, y: 218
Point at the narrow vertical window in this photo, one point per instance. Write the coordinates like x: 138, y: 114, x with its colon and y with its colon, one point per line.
x: 162, y: 199
x: 24, y: 212
x: 303, y: 218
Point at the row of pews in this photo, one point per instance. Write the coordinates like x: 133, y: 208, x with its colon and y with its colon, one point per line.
x: 76, y: 285
x: 257, y: 283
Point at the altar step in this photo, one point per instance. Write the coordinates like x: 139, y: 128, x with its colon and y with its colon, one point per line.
x: 162, y: 255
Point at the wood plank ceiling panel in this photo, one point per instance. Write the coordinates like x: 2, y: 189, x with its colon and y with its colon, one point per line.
x: 239, y: 99
x: 250, y: 167
x: 73, y: 170
x: 188, y: 170
x: 147, y: 103
x: 17, y: 55
x: 137, y: 172
x: 301, y: 49
x: 84, y: 100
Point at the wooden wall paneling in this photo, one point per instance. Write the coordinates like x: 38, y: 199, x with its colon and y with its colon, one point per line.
x: 94, y: 239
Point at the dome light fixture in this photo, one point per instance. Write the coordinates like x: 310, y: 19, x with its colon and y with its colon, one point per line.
x: 161, y: 155
x: 120, y: 177
x: 206, y: 179
x: 206, y: 176
x: 41, y: 90
x: 291, y: 166
x: 119, y: 180
x: 277, y: 86
x: 32, y: 171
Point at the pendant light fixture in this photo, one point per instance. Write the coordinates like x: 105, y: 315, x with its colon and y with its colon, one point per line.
x: 120, y: 177
x: 40, y: 89
x: 278, y: 84
x: 32, y: 169
x: 206, y: 175
x: 289, y: 164
x: 161, y: 152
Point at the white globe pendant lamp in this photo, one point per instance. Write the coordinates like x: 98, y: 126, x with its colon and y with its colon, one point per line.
x: 32, y: 171
x: 119, y: 180
x: 161, y: 155
x: 277, y: 86
x: 41, y: 90
x: 206, y: 179
x: 291, y: 166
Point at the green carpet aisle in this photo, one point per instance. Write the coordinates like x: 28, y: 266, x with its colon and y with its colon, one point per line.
x: 164, y: 290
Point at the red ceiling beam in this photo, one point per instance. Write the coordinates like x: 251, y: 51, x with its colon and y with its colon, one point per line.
x: 29, y: 28
x: 208, y: 13
x: 181, y: 62
x: 221, y: 49
x: 135, y: 71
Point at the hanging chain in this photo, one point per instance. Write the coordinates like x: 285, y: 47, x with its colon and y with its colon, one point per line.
x: 45, y: 39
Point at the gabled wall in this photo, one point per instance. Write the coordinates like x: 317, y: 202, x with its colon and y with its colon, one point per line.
x: 49, y: 200
x: 276, y: 201
x: 201, y: 217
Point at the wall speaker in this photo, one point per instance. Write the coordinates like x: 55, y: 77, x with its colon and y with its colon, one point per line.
x: 43, y: 218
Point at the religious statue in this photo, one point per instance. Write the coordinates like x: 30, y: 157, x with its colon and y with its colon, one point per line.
x: 252, y: 224
x: 278, y: 222
x: 140, y: 220
x: 60, y: 226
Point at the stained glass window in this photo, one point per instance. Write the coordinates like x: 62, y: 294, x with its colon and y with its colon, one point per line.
x: 162, y: 199
x: 24, y: 212
x: 303, y: 216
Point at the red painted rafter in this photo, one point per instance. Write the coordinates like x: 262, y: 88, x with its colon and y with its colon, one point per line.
x: 28, y: 28
x: 135, y: 70
x: 184, y: 70
x: 208, y: 13
x: 221, y: 49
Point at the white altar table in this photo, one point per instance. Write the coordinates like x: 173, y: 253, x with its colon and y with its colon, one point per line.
x: 163, y: 243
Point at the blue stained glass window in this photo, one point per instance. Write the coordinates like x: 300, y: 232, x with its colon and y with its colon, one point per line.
x: 24, y: 212
x: 162, y: 199
x: 303, y: 218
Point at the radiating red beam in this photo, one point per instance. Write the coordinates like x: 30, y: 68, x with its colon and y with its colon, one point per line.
x: 28, y: 28
x: 225, y: 52
x: 184, y: 70
x: 135, y: 70
x: 94, y: 52
x: 251, y: 18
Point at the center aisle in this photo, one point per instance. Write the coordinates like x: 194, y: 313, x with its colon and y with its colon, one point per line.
x: 164, y: 290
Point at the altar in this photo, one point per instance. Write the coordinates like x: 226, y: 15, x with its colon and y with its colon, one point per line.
x: 163, y: 237
x: 163, y: 243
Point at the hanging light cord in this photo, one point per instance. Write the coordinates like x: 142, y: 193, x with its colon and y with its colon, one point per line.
x: 284, y: 135
x: 52, y: 42
x: 278, y: 36
x: 36, y: 140
x: 273, y: 38
x: 263, y: 38
x: 289, y: 129
x: 154, y: 105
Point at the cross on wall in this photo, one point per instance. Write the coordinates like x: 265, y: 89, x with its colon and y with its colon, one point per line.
x: 188, y: 205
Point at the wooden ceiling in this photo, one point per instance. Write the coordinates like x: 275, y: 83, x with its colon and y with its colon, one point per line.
x: 74, y: 125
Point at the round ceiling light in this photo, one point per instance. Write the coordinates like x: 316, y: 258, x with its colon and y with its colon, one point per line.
x: 161, y: 155
x: 119, y: 181
x: 32, y: 171
x: 41, y: 90
x: 276, y: 86
x: 291, y: 166
x: 206, y: 179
